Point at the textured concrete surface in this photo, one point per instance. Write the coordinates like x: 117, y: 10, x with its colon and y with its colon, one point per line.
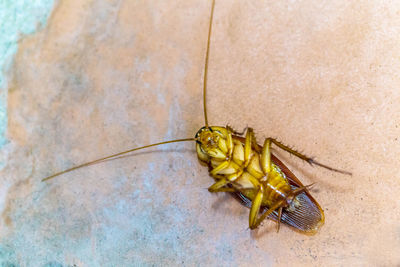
x: 105, y: 76
x: 17, y: 18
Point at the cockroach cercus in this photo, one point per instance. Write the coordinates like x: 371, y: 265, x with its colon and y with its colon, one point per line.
x: 249, y: 171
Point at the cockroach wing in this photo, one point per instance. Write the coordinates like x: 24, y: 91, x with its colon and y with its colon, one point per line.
x: 306, y: 218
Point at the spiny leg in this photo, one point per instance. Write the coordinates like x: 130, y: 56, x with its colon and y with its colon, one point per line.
x: 279, y: 219
x: 300, y: 190
x: 309, y: 160
x: 236, y: 132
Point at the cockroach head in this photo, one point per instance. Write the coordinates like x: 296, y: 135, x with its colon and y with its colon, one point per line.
x: 207, y: 138
x: 210, y: 144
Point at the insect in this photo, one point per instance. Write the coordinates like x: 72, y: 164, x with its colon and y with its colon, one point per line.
x: 249, y: 171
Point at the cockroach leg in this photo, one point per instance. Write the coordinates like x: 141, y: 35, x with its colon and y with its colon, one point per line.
x: 279, y: 219
x: 222, y: 182
x: 220, y: 186
x: 309, y: 160
x: 266, y: 164
x: 219, y: 168
x: 300, y: 190
x: 236, y: 132
x: 250, y: 139
x: 254, y: 221
x: 255, y: 208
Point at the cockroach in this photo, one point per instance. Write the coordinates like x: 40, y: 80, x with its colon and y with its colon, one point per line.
x: 249, y: 171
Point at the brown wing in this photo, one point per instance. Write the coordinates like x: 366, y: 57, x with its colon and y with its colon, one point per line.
x: 307, y: 218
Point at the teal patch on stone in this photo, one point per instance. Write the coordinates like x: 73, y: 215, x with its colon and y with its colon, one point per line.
x: 17, y: 18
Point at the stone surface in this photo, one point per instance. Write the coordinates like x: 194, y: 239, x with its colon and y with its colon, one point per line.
x: 106, y: 76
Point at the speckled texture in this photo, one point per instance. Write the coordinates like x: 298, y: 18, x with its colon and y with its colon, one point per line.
x: 105, y: 76
x: 17, y: 18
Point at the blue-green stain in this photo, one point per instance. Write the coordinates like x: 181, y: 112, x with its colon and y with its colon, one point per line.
x: 17, y: 18
x: 7, y: 255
